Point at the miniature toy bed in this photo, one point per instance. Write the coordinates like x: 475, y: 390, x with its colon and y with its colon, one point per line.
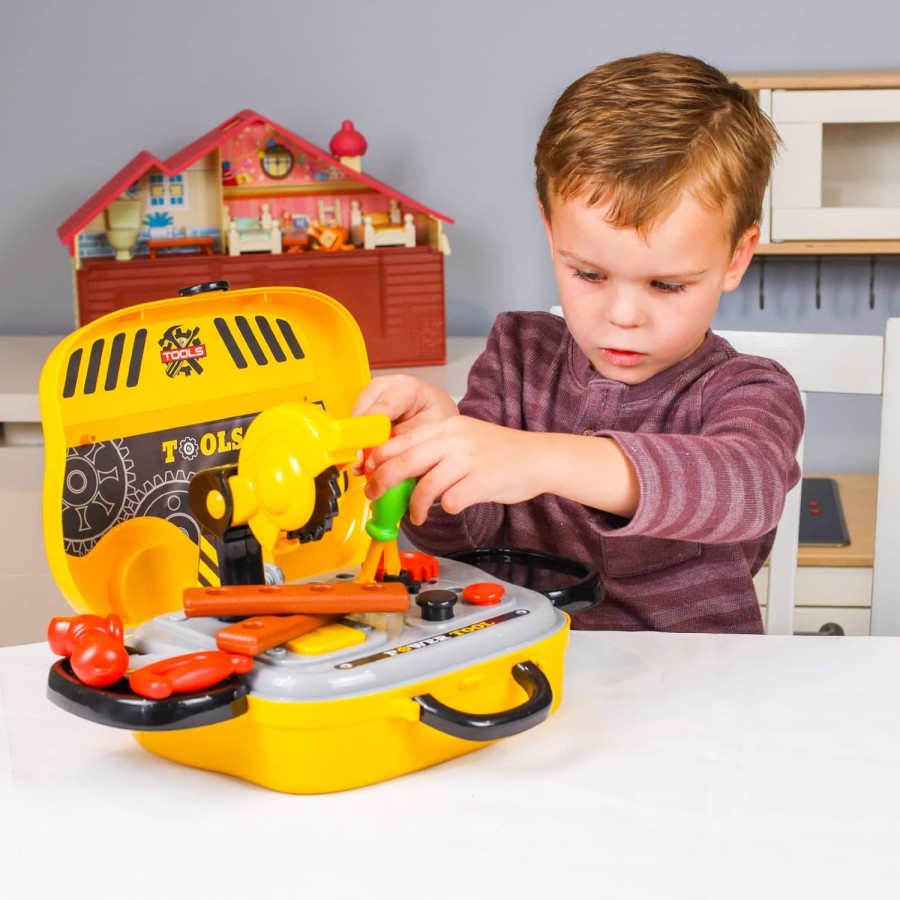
x: 247, y: 234
x: 382, y: 229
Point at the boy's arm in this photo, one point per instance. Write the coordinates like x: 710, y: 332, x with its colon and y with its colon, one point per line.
x: 462, y: 461
x: 723, y: 485
x: 729, y: 482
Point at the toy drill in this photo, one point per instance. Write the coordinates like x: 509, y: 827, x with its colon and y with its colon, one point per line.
x: 285, y: 486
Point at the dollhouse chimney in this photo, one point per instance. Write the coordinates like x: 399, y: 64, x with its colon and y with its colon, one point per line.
x: 348, y: 145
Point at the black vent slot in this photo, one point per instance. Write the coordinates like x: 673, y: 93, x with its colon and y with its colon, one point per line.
x: 264, y: 345
x: 93, y: 369
x: 137, y: 354
x: 252, y: 343
x: 290, y: 338
x: 265, y: 329
x: 96, y: 363
x: 72, y: 373
x: 115, y: 361
x: 230, y: 343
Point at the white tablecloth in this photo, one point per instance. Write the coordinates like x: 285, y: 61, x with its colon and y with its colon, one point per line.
x: 678, y: 766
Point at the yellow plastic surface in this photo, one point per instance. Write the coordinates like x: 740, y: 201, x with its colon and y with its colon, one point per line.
x: 141, y: 564
x: 314, y: 748
x: 326, y: 639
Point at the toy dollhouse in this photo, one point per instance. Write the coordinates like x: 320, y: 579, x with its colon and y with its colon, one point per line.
x: 255, y: 205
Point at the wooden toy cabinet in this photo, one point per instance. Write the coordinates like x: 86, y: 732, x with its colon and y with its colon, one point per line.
x: 836, y: 184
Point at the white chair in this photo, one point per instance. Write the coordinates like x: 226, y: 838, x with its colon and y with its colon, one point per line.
x: 841, y: 364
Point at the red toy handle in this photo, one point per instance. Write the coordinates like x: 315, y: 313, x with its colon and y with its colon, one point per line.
x: 187, y: 673
x: 95, y: 647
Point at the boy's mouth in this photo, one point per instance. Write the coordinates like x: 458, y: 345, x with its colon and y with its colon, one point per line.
x: 622, y: 357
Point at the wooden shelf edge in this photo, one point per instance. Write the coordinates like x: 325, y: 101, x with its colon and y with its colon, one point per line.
x: 829, y: 248
x: 841, y: 79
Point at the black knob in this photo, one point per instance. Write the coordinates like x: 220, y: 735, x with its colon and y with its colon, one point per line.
x: 195, y: 289
x: 436, y: 605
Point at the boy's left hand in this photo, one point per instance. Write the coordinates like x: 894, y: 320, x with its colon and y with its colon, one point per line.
x: 460, y: 461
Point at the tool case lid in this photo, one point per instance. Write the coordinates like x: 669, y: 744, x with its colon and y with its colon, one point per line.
x: 133, y: 404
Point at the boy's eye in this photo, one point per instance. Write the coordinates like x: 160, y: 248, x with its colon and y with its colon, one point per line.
x: 590, y: 277
x: 668, y: 288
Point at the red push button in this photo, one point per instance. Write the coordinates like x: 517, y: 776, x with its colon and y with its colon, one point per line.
x: 483, y: 593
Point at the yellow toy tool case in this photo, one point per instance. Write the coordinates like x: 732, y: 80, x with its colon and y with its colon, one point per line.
x: 199, y: 452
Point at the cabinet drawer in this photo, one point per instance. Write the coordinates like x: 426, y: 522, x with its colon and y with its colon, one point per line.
x: 849, y: 586
x: 840, y: 594
x: 809, y: 619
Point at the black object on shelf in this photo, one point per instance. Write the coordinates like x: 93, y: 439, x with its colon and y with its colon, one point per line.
x: 822, y: 522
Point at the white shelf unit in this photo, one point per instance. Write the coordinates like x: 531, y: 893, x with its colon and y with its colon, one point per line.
x: 836, y: 178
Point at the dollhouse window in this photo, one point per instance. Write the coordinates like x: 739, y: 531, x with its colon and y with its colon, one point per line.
x: 277, y: 161
x: 168, y: 192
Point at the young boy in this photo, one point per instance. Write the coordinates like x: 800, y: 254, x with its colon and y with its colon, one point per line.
x: 627, y: 434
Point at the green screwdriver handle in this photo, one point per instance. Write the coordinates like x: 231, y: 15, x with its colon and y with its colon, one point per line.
x: 388, y: 510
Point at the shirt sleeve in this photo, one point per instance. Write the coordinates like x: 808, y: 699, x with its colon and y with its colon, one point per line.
x: 728, y: 482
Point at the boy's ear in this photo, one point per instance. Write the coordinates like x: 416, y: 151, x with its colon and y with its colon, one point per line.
x: 741, y: 258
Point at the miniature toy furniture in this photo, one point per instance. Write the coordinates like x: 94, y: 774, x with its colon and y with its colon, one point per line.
x: 203, y: 242
x: 123, y: 222
x: 295, y: 241
x: 330, y: 212
x: 382, y: 229
x: 250, y: 235
x: 843, y: 364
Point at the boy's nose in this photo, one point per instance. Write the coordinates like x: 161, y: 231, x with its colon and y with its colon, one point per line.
x: 625, y: 308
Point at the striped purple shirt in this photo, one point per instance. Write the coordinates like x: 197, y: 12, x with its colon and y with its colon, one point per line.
x: 713, y: 440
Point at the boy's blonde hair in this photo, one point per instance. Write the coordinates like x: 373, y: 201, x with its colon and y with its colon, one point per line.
x: 641, y: 130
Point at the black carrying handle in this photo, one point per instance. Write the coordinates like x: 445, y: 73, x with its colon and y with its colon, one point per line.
x: 492, y: 726
x: 582, y: 589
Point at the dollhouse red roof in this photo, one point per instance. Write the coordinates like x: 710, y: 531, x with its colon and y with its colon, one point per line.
x: 199, y: 148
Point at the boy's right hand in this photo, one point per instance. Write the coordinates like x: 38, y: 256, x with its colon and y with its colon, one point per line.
x: 407, y: 401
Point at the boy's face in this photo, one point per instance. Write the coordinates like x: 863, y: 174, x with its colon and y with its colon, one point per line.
x: 635, y: 305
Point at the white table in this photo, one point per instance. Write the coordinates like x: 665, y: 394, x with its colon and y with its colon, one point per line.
x: 678, y: 766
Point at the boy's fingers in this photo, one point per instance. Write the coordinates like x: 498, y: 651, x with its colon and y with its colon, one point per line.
x: 431, y: 487
x: 390, y: 395
x: 402, y: 457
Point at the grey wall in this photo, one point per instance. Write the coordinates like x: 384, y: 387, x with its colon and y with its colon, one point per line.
x: 450, y: 96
